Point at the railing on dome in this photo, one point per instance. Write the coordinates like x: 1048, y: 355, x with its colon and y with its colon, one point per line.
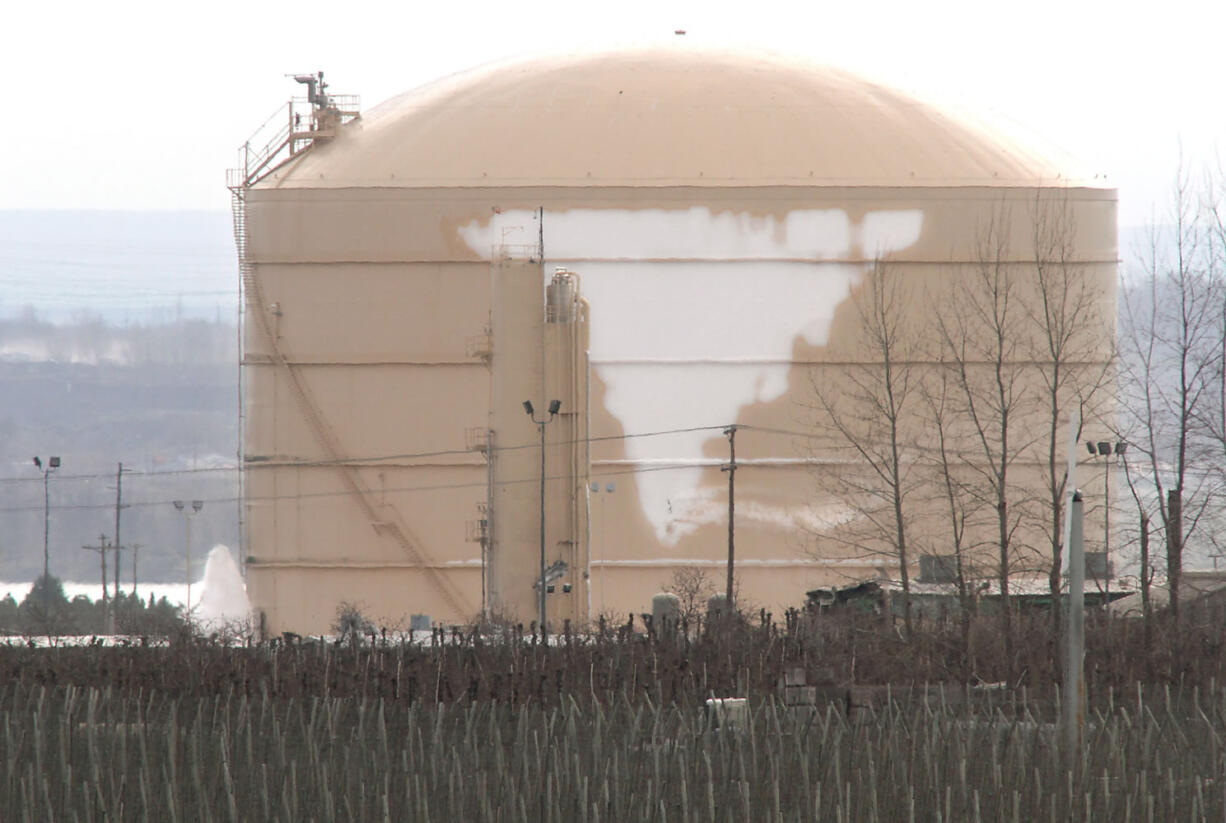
x: 291, y: 129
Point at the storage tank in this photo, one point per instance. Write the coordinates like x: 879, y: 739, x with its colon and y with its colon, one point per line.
x: 716, y: 209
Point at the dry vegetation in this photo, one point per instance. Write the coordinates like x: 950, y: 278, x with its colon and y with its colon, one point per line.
x: 610, y: 727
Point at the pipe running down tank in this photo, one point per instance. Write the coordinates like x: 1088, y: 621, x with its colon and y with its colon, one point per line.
x: 539, y: 354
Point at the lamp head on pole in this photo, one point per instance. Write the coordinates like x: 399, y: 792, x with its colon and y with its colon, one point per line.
x: 1090, y: 447
x: 554, y: 405
x: 528, y: 407
x: 38, y: 463
x: 197, y: 505
x: 1120, y: 447
x: 54, y: 462
x: 1104, y: 448
x: 178, y: 504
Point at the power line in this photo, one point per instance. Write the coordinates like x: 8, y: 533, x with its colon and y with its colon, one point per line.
x: 352, y: 462
x: 356, y: 461
x: 346, y: 493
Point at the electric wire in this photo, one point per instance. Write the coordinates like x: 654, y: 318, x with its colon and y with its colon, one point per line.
x: 376, y: 460
x: 483, y: 484
x: 355, y: 462
x: 373, y: 461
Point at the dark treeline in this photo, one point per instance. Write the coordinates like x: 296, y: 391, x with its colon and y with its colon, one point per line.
x: 89, y: 338
x: 46, y: 610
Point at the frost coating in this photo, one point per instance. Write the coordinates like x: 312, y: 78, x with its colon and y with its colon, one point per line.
x: 668, y: 234
x: 694, y: 315
x: 882, y: 232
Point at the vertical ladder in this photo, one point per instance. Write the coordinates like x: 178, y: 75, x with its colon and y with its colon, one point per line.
x: 251, y: 299
x: 238, y: 213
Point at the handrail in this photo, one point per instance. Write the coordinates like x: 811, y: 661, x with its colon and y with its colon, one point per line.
x: 281, y: 133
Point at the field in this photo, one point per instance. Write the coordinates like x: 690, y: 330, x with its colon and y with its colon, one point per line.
x: 601, y: 728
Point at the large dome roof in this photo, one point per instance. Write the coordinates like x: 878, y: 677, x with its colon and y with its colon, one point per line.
x: 664, y: 117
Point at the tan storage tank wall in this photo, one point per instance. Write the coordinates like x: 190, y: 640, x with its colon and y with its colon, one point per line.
x: 713, y: 294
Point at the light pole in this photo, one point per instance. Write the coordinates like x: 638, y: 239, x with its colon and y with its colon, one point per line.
x: 1103, y: 448
x: 53, y: 463
x: 197, y: 505
x: 554, y: 405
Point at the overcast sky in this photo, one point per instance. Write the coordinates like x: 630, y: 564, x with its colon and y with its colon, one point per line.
x: 134, y: 105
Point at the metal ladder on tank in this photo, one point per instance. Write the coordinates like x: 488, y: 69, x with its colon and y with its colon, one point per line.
x: 238, y: 213
x: 251, y: 299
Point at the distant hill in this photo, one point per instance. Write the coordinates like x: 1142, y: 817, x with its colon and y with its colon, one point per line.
x: 163, y: 399
x: 117, y: 343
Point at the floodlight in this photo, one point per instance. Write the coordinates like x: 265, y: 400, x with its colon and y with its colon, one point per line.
x: 554, y: 405
x: 1104, y: 448
x: 528, y: 407
x: 197, y: 505
x: 178, y: 504
x: 54, y: 462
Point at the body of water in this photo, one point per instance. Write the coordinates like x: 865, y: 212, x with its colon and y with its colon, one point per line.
x: 125, y: 267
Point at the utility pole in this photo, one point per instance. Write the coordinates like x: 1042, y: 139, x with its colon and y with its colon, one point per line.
x: 1146, y: 578
x: 1072, y: 712
x: 118, y: 508
x: 135, y: 547
x: 1074, y: 697
x: 730, y: 432
x: 1174, y: 545
x: 540, y: 233
x: 102, y: 549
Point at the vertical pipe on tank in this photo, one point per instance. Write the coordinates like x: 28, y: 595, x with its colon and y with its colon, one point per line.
x: 539, y: 354
x: 516, y: 375
x: 565, y: 376
x: 586, y: 361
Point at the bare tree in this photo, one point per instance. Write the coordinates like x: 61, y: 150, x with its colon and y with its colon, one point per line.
x: 982, y: 336
x: 1170, y: 344
x: 1072, y: 333
x: 1212, y: 419
x: 692, y: 587
x: 867, y: 406
x: 956, y: 498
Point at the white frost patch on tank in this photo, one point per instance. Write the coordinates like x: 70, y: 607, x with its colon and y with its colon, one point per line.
x: 667, y: 234
x: 693, y: 316
x: 767, y: 515
x: 882, y: 232
x: 722, y: 310
x: 647, y: 398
